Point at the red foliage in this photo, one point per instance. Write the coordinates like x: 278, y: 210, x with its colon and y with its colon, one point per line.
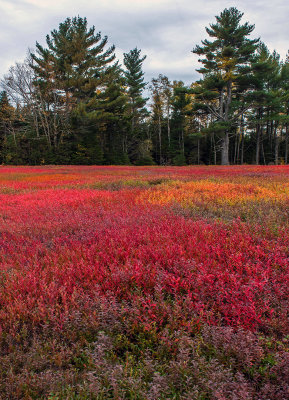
x: 62, y: 248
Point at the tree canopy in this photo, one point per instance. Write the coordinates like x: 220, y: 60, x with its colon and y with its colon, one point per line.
x: 72, y: 102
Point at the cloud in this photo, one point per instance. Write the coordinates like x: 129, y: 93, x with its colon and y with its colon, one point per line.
x: 165, y: 30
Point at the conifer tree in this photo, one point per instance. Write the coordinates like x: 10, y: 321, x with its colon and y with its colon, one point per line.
x: 134, y: 80
x: 226, y: 72
x: 107, y: 111
x: 75, y: 104
x: 136, y: 110
x: 6, y: 110
x: 266, y: 97
x: 285, y: 102
x: 72, y: 68
x: 75, y: 60
x: 6, y: 120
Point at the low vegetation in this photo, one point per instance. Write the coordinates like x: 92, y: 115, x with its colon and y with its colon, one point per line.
x: 144, y: 283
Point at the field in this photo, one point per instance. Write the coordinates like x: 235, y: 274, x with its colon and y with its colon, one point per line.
x: 144, y: 283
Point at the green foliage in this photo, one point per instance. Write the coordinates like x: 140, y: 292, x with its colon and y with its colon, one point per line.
x: 227, y: 70
x: 71, y: 102
x: 135, y: 80
x: 179, y: 160
x: 75, y: 61
x: 135, y: 110
x: 146, y: 160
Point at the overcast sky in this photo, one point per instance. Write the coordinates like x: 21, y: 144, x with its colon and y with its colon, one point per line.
x: 165, y: 30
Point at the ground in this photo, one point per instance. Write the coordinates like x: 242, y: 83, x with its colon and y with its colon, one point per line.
x: 144, y: 282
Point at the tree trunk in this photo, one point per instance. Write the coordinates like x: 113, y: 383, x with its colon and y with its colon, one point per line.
x: 239, y: 138
x: 286, y: 145
x: 168, y: 124
x: 276, y: 147
x: 225, y: 141
x: 242, y: 146
x: 183, y: 141
x: 214, y: 150
x: 225, y: 150
x: 257, y: 160
x: 236, y: 148
x: 160, y: 138
x: 263, y: 153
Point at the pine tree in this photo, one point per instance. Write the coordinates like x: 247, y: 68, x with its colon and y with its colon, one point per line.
x: 285, y: 102
x: 6, y: 120
x: 77, y: 59
x: 6, y: 109
x: 136, y: 111
x: 108, y: 111
x: 135, y: 85
x: 71, y: 69
x: 266, y: 103
x: 226, y: 72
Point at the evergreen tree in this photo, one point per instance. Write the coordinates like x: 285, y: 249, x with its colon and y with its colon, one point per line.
x: 136, y: 111
x: 75, y: 104
x: 108, y: 112
x: 227, y: 72
x: 135, y: 85
x: 6, y: 121
x: 6, y: 111
x: 70, y: 70
x: 266, y: 98
x: 285, y: 102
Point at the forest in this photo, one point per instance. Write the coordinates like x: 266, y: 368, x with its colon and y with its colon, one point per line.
x: 72, y: 102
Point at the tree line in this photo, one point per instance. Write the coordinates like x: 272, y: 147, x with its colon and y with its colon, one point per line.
x: 72, y: 102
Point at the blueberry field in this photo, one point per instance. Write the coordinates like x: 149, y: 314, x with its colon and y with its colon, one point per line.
x: 144, y: 283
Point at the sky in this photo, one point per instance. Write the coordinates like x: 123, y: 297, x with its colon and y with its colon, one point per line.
x: 165, y: 30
